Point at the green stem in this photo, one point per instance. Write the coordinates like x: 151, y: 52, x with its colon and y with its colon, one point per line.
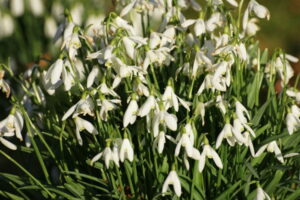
x: 28, y: 173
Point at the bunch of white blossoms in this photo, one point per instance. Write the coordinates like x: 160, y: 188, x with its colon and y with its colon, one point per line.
x: 174, y: 89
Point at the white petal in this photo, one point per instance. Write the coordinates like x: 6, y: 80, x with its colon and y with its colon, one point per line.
x: 201, y: 162
x: 69, y: 112
x: 233, y: 3
x: 8, y: 144
x: 92, y: 76
x: 56, y: 71
x: 171, y: 121
x: 96, y: 158
x: 127, y: 9
x: 261, y: 150
x: 216, y: 158
x: 129, y: 46
x: 130, y: 113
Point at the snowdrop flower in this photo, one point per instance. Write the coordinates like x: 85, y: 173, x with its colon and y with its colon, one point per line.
x: 149, y: 104
x: 186, y: 140
x: 241, y: 111
x: 3, y: 84
x: 172, y: 100
x: 51, y: 78
x: 104, y: 89
x: 50, y: 27
x: 220, y: 103
x: 126, y: 151
x: 83, y: 106
x: 164, y: 118
x: 209, y: 152
x: 160, y: 141
x: 36, y: 7
x: 93, y: 75
x: 214, y: 21
x: 154, y: 40
x: 6, y: 142
x: 259, y: 10
x: 241, y: 51
x: 261, y: 194
x: 248, y: 142
x: 172, y: 179
x: 6, y: 25
x: 252, y: 27
x: 107, y: 105
x: 199, y: 26
x: 68, y: 76
x: 292, y: 122
x: 72, y: 44
x: 219, y: 82
x: 293, y: 93
x: 12, y: 124
x: 130, y: 113
x: 76, y: 13
x: 82, y: 124
x: 108, y: 156
x: 129, y: 46
x: 17, y: 7
x: 227, y: 133
x: 271, y: 147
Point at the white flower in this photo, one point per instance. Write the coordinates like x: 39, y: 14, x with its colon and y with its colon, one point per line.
x: 17, y: 7
x: 227, y: 133
x: 220, y: 103
x: 209, y: 152
x: 12, y: 125
x: 149, y: 104
x: 259, y: 10
x: 292, y: 93
x: 248, y: 142
x: 108, y: 156
x: 107, y: 105
x: 214, y: 21
x: 160, y: 141
x: 271, y: 147
x: 3, y: 84
x: 218, y: 81
x: 154, y: 40
x: 199, y: 26
x: 68, y: 76
x: 171, y: 100
x: 186, y: 140
x: 126, y: 151
x: 83, y: 106
x: 166, y: 119
x: 172, y: 179
x: 129, y: 46
x: 241, y: 51
x: 55, y: 71
x: 130, y: 113
x: 72, y: 44
x: 82, y: 124
x: 261, y: 194
x: 292, y: 122
x: 6, y: 25
x: 240, y: 110
x: 251, y: 27
x: 93, y: 75
x: 36, y: 7
x: 50, y: 27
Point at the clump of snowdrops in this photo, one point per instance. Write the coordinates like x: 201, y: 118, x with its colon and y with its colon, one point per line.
x: 27, y: 27
x: 155, y: 105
